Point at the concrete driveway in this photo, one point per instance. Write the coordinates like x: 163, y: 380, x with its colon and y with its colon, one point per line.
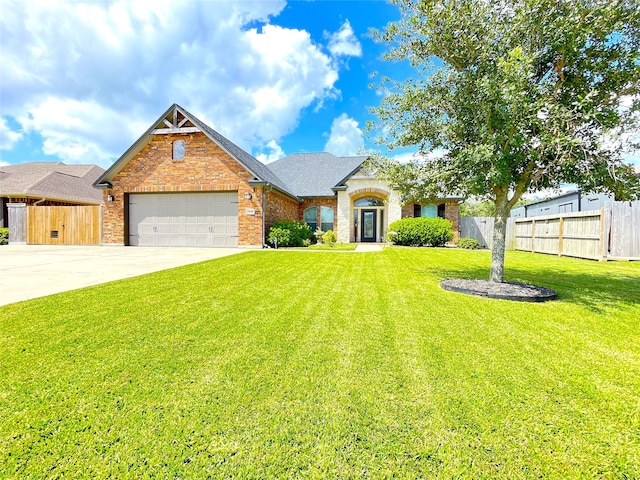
x: 31, y: 271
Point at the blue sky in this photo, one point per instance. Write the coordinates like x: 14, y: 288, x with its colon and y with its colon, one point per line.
x: 80, y: 82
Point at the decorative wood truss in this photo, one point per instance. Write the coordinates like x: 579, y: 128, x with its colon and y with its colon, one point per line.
x: 175, y: 122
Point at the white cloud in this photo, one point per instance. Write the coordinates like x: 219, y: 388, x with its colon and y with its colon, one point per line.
x: 8, y: 137
x: 345, y: 138
x: 344, y: 42
x: 79, y: 131
x: 91, y: 77
x: 274, y: 152
x: 406, y: 157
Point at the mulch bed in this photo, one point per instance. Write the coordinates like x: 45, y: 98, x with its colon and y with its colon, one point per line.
x: 519, y: 292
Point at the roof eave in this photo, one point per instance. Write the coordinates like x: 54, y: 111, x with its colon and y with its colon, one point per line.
x: 339, y: 184
x: 262, y: 183
x: 51, y: 198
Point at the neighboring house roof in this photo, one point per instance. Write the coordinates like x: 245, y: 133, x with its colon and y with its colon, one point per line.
x: 260, y: 171
x: 315, y: 174
x: 50, y: 180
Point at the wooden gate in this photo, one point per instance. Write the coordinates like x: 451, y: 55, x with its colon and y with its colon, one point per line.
x: 54, y: 225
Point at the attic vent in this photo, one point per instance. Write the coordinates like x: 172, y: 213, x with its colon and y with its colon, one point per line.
x: 54, y: 233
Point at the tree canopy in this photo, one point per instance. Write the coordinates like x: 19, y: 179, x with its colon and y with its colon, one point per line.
x: 513, y: 96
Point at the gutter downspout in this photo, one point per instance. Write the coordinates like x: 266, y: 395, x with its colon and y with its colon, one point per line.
x: 264, y: 213
x: 264, y: 202
x: 38, y: 202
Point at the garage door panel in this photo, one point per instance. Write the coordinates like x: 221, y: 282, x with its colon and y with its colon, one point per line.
x: 185, y: 219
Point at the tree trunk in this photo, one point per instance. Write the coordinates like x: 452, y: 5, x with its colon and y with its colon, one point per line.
x: 499, y: 235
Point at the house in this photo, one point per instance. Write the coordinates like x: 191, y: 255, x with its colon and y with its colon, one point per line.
x: 183, y: 184
x: 574, y: 201
x: 47, y: 184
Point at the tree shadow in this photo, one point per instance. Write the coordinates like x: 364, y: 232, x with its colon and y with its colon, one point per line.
x: 594, y: 291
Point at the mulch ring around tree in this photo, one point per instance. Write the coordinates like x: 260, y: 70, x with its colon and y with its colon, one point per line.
x: 519, y: 292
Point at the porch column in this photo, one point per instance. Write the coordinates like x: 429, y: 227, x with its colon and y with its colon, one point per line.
x: 344, y: 217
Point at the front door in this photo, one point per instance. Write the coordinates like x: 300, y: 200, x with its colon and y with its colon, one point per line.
x: 368, y: 223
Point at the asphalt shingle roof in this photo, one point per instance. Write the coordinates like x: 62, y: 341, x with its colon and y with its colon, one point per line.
x: 315, y: 174
x: 56, y: 181
x: 257, y: 168
x: 248, y: 161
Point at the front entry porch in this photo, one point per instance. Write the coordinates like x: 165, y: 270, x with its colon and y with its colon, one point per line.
x: 369, y: 220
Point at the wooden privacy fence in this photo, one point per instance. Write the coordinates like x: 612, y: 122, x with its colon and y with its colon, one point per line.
x: 55, y: 225
x: 625, y: 230
x: 612, y: 232
x: 481, y: 230
x: 580, y: 234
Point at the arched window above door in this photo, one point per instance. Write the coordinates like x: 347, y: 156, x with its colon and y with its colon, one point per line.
x: 369, y: 202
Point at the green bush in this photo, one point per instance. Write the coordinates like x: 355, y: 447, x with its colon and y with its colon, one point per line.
x: 289, y: 233
x: 433, y: 232
x: 4, y: 236
x: 329, y: 238
x: 468, y: 243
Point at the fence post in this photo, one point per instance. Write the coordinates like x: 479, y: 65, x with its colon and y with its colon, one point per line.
x: 533, y: 236
x: 560, y: 234
x: 605, y: 229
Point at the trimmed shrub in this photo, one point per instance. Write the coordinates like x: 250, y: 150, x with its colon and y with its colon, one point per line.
x: 4, y: 236
x: 329, y: 238
x: 418, y: 232
x: 468, y: 243
x: 289, y: 233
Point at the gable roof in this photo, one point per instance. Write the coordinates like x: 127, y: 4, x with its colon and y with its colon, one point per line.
x: 315, y: 174
x: 50, y: 180
x: 262, y: 174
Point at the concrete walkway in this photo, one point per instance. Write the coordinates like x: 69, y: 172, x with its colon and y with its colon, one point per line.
x: 31, y: 271
x: 368, y: 247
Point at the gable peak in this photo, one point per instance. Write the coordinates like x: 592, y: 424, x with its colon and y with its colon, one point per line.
x: 175, y: 121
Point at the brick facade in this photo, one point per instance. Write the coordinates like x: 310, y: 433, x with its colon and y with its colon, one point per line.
x: 279, y: 207
x: 207, y: 168
x: 204, y: 168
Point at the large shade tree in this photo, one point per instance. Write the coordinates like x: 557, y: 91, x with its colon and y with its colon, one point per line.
x: 512, y: 96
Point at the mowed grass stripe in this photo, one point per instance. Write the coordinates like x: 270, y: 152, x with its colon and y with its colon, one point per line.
x: 347, y: 365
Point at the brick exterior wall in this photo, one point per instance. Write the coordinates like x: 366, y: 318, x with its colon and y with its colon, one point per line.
x: 451, y: 213
x: 279, y: 207
x: 331, y: 202
x: 205, y: 168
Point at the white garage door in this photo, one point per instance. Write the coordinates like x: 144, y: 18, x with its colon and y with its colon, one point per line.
x: 183, y: 219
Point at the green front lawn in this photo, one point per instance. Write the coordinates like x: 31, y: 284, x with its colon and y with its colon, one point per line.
x: 285, y: 364
x: 334, y: 247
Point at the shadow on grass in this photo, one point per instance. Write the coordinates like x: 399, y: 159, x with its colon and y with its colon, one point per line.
x: 593, y: 291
